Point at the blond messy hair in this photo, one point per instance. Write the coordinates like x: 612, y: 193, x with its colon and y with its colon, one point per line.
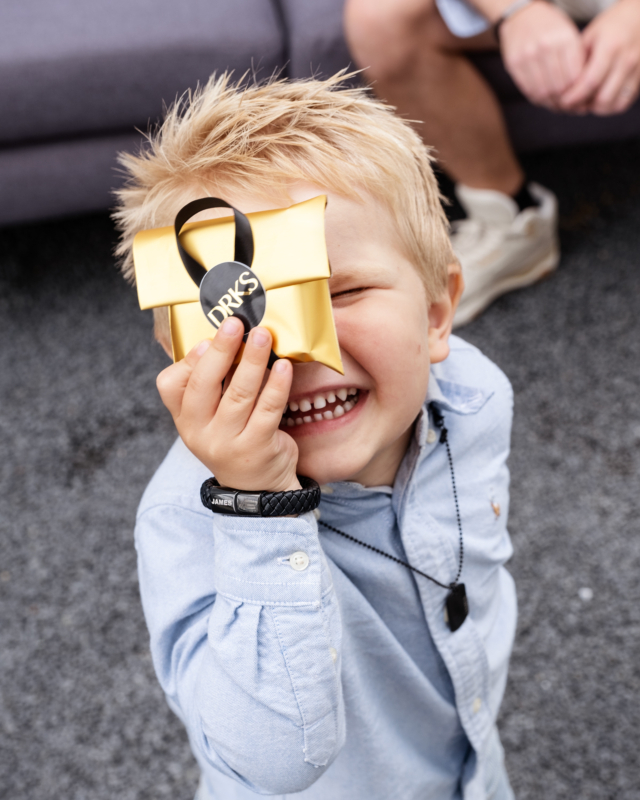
x: 260, y: 139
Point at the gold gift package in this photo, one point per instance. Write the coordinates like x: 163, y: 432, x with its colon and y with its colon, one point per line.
x: 268, y: 268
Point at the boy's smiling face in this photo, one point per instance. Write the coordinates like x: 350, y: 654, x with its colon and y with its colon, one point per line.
x: 389, y: 336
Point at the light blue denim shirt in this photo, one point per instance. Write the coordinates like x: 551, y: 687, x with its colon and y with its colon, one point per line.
x: 342, y: 681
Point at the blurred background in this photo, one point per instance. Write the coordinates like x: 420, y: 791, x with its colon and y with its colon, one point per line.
x: 82, y: 428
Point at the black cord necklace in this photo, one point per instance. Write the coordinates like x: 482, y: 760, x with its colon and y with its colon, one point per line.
x: 456, y: 604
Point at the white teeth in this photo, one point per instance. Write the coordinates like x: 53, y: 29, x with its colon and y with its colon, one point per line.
x: 317, y: 417
x: 328, y: 414
x: 338, y: 411
x: 290, y: 422
x: 299, y: 421
x: 320, y: 401
x: 306, y: 419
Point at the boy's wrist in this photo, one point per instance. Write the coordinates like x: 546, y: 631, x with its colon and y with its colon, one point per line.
x: 233, y: 502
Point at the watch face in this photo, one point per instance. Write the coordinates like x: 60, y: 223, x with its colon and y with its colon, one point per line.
x: 233, y: 289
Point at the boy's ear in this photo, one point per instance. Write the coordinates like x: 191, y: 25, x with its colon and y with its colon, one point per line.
x: 441, y: 315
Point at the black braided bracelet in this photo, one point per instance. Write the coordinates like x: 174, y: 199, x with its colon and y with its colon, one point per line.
x: 260, y: 504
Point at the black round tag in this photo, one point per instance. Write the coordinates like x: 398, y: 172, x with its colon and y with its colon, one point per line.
x: 232, y: 289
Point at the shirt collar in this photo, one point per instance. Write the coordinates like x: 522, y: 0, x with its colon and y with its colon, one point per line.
x: 449, y: 396
x: 455, y: 397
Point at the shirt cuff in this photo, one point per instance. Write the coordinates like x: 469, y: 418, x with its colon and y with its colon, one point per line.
x: 270, y: 561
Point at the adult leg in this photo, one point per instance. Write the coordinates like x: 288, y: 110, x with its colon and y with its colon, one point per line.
x: 417, y: 65
x: 509, y: 238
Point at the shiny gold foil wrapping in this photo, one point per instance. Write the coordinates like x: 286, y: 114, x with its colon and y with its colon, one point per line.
x: 290, y: 259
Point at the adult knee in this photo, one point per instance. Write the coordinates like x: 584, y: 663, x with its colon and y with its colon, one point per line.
x: 385, y: 36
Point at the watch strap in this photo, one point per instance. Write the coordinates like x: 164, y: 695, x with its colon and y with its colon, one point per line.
x: 234, y: 502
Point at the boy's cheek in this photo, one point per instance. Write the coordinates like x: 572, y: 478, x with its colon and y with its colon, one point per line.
x: 392, y: 323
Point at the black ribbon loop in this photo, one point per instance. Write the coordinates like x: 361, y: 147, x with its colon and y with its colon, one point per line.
x: 243, y: 240
x: 243, y: 256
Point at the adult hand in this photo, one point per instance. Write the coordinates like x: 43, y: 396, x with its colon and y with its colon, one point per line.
x: 543, y: 51
x: 610, y: 81
x: 235, y: 434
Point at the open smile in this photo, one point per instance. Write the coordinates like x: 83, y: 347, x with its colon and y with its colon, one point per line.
x: 320, y: 407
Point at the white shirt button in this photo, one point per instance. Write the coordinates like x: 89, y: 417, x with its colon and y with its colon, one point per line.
x: 299, y: 561
x: 334, y: 654
x: 316, y: 513
x: 477, y: 705
x: 431, y: 436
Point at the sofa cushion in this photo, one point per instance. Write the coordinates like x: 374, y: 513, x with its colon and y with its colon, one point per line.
x: 56, y: 179
x: 72, y: 67
x: 314, y: 33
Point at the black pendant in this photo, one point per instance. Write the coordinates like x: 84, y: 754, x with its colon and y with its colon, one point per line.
x: 456, y: 607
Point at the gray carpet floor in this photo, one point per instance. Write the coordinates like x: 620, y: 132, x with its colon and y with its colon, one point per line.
x: 82, y: 430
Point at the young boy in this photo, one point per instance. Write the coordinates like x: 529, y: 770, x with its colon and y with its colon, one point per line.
x: 300, y: 661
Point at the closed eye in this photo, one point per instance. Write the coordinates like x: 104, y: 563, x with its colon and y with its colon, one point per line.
x: 348, y: 292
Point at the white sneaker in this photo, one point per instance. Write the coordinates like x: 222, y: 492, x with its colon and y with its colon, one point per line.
x: 501, y: 248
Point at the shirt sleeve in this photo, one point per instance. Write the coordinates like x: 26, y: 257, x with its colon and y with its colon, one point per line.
x: 462, y: 19
x: 245, y: 641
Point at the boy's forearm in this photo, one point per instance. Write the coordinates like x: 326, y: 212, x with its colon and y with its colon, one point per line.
x: 260, y: 688
x: 270, y: 639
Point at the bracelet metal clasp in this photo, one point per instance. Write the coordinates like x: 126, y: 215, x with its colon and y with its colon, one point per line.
x: 247, y: 503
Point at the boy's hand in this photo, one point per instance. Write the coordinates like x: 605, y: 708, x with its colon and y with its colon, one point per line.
x: 235, y: 434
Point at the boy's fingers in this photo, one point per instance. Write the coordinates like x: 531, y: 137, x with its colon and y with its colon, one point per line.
x: 204, y: 387
x: 171, y: 383
x: 229, y: 377
x: 273, y: 399
x: 240, y: 396
x: 173, y: 380
x: 194, y: 355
